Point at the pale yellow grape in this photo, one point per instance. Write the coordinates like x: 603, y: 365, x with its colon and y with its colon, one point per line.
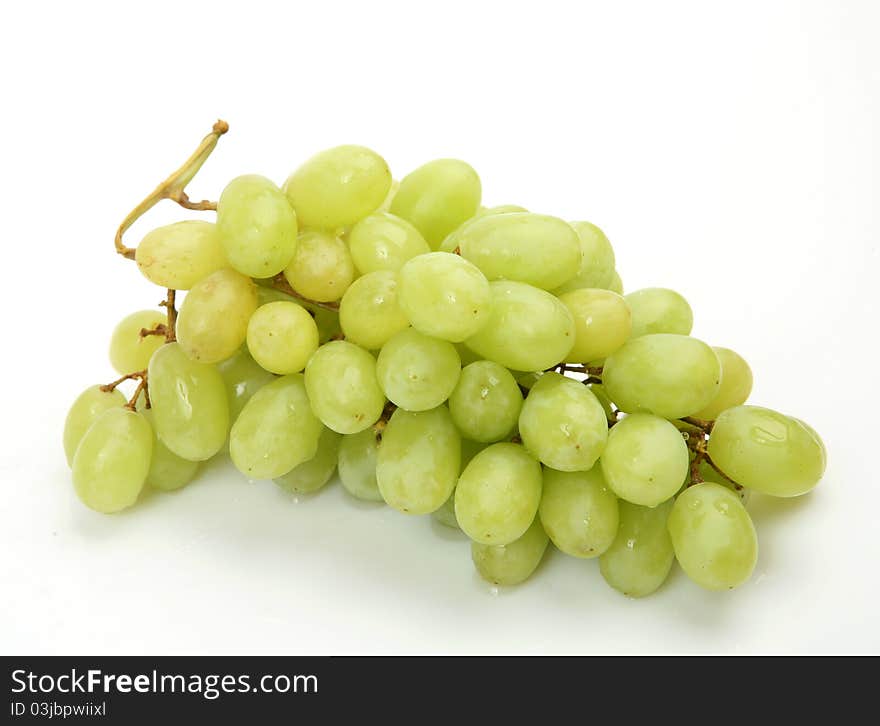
x: 498, y: 494
x: 528, y: 329
x: 112, y: 460
x: 444, y: 296
x: 282, y: 336
x: 257, y: 226
x: 275, y: 431
x: 616, y: 284
x: 713, y: 537
x: 767, y: 451
x: 578, y: 511
x: 669, y: 375
x: 321, y: 268
x: 384, y: 242
x: 418, y: 460
x: 512, y: 563
x: 313, y: 474
x: 189, y: 401
x: 596, y: 263
x: 213, y: 320
x: 736, y: 384
x: 129, y: 352
x: 338, y: 186
x: 178, y: 255
x: 486, y: 402
x: 168, y: 471
x: 243, y: 377
x: 370, y: 312
x: 658, y: 310
x: 645, y: 459
x: 342, y: 386
x: 602, y: 323
x: 437, y: 197
x: 417, y: 372
x: 357, y: 465
x: 86, y: 409
x: 562, y: 424
x: 815, y: 435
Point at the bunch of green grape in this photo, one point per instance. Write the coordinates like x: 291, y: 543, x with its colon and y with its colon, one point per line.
x: 479, y: 364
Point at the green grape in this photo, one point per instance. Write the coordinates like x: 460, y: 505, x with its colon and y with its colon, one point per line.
x: 313, y: 474
x: 321, y: 268
x: 370, y: 312
x: 641, y: 556
x: 578, y: 511
x: 342, y: 386
x: 815, y: 435
x: 86, y: 409
x: 498, y: 494
x: 437, y: 197
x: 527, y: 380
x: 767, y: 451
x: 528, y: 329
x: 512, y: 563
x: 713, y: 537
x: 736, y: 384
x: 275, y: 431
x: 178, y: 255
x: 604, y: 401
x: 446, y: 513
x: 562, y: 424
x: 466, y: 354
x: 243, y: 377
x: 190, y: 408
x: 486, y: 402
x: 418, y: 460
x: 616, y: 284
x: 338, y: 186
x: 282, y: 336
x: 658, y: 310
x: 213, y: 320
x: 417, y: 372
x: 392, y: 192
x: 329, y: 327
x: 596, y: 262
x: 500, y: 209
x: 602, y: 323
x: 533, y: 248
x: 168, y: 472
x: 357, y: 465
x: 672, y: 376
x: 384, y: 242
x: 129, y: 352
x: 257, y: 226
x: 112, y: 460
x: 645, y: 459
x: 710, y: 473
x: 444, y: 296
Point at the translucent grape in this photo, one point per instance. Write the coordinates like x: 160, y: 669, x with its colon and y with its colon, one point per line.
x: 736, y: 384
x: 417, y: 372
x: 321, y: 268
x: 486, y: 402
x: 602, y: 398
x: 512, y: 563
x: 168, y: 472
x: 178, y: 255
x: 446, y: 514
x: 313, y: 474
x: 658, y: 310
x: 129, y: 352
x: 370, y: 312
x: 86, y: 409
x: 500, y: 209
x: 815, y: 435
x: 616, y: 284
x: 357, y: 465
x: 282, y: 336
x: 596, y: 262
x: 602, y: 323
x: 384, y: 242
x: 243, y: 377
x: 329, y: 327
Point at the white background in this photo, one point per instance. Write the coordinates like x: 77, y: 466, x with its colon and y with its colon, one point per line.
x: 729, y: 150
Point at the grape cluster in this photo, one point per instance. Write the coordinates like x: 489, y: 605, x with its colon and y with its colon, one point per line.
x: 481, y: 364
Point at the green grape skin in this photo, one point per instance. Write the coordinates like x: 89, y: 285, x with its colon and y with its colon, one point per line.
x: 815, y: 435
x: 342, y: 386
x: 329, y: 326
x: 767, y: 451
x: 500, y: 209
x: 445, y: 515
x: 384, y: 242
x: 639, y: 560
x: 437, y: 197
x: 189, y: 403
x: 168, y: 472
x: 444, y: 296
x: 606, y: 403
x: 602, y: 323
x: 616, y: 284
x: 242, y: 377
x: 562, y: 424
x: 129, y: 352
x: 257, y: 226
x: 178, y: 255
x: 418, y: 460
x: 466, y: 355
x: 513, y: 563
x: 595, y: 266
x: 736, y: 385
x: 213, y: 320
x: 659, y: 310
x: 645, y: 460
x: 578, y: 511
x: 275, y: 431
x: 392, y: 192
x: 357, y: 465
x: 370, y: 312
x: 321, y: 268
x: 708, y: 473
x: 486, y: 402
x: 338, y: 187
x: 112, y: 460
x: 417, y: 372
x: 672, y: 376
x: 86, y: 409
x: 498, y: 494
x: 713, y: 537
x: 282, y: 336
x: 528, y: 329
x: 313, y: 474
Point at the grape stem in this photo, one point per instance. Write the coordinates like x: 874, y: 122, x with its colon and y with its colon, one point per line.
x: 141, y: 375
x: 702, y: 424
x: 160, y: 329
x: 141, y: 389
x: 379, y: 426
x: 279, y: 282
x: 170, y: 327
x: 173, y: 188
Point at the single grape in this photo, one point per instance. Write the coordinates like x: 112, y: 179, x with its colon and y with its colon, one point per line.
x: 178, y: 255
x: 384, y: 242
x: 417, y: 372
x: 243, y: 377
x: 168, y: 472
x: 370, y: 312
x: 86, y: 409
x: 616, y: 284
x: 512, y: 563
x: 815, y: 435
x: 486, y: 402
x: 282, y: 336
x: 604, y: 401
x: 129, y: 352
x: 357, y: 465
x: 658, y: 310
x: 596, y: 263
x: 736, y: 384
x: 313, y: 474
x: 321, y: 268
x: 602, y: 323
